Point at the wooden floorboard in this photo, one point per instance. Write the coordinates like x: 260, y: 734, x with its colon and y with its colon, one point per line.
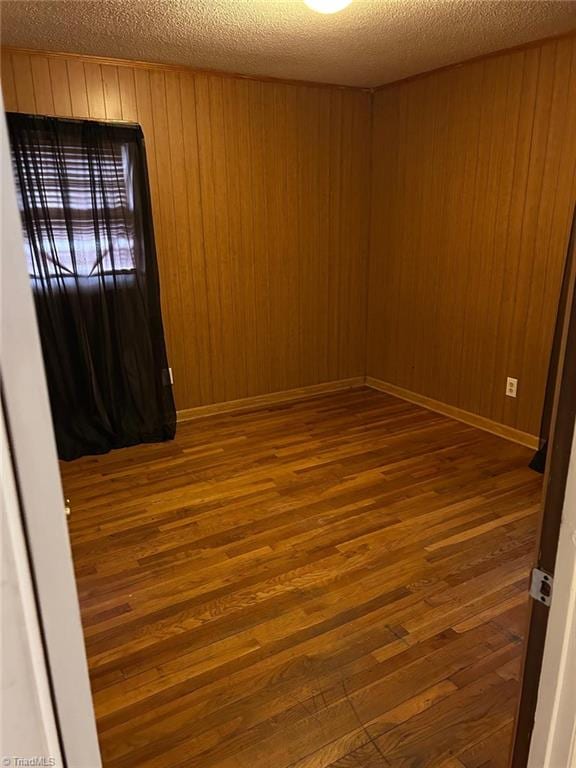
x: 333, y: 583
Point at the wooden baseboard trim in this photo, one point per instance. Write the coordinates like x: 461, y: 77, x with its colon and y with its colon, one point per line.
x: 510, y: 433
x: 261, y: 401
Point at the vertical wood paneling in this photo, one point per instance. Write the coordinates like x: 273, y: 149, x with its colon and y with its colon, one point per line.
x: 197, y: 309
x: 112, y: 101
x: 127, y: 88
x: 208, y: 174
x: 22, y: 70
x: 473, y: 193
x: 77, y: 86
x: 42, y: 82
x: 8, y: 83
x: 95, y: 90
x: 260, y: 199
x: 60, y: 88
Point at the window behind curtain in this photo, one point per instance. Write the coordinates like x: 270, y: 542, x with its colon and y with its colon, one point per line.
x: 82, y: 228
x: 87, y: 224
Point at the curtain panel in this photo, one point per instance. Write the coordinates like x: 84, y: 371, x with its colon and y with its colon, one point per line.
x: 89, y: 242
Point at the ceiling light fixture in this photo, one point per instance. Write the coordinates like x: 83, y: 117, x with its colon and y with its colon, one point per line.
x: 327, y: 6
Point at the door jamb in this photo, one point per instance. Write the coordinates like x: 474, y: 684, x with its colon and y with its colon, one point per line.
x: 553, y: 501
x: 29, y: 426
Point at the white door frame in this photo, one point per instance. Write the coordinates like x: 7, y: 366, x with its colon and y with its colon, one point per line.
x: 553, y: 742
x: 28, y: 720
x: 31, y: 437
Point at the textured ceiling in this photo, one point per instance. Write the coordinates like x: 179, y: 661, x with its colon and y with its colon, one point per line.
x: 369, y: 43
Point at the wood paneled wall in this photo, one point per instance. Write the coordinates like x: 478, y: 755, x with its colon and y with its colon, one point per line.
x: 260, y: 194
x: 261, y: 198
x: 473, y: 192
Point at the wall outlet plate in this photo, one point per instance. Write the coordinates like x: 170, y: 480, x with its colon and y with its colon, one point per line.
x: 511, y: 387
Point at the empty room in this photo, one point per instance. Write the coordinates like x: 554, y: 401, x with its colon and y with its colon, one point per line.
x: 288, y: 382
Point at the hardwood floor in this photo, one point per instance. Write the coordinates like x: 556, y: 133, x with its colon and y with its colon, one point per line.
x: 334, y: 583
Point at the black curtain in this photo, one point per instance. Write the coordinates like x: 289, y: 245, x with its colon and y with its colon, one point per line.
x: 85, y: 206
x: 538, y: 462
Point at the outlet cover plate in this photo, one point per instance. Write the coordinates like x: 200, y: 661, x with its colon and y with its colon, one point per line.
x: 511, y: 387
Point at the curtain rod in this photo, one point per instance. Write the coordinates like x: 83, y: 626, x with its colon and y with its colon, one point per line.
x: 112, y: 121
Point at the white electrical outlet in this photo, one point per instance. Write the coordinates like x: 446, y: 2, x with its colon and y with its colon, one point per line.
x: 511, y: 386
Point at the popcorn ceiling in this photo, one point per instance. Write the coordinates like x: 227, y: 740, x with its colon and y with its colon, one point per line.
x: 370, y: 43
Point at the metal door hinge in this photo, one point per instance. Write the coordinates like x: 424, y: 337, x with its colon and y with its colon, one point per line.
x: 541, y: 586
